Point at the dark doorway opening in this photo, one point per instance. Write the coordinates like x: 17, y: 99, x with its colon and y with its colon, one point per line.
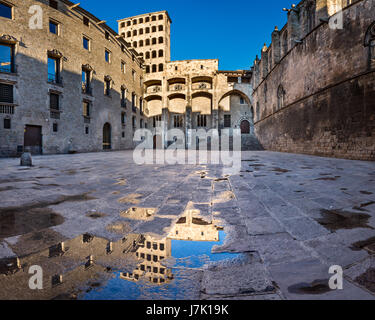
x: 33, y: 139
x: 245, y: 127
x: 107, y: 133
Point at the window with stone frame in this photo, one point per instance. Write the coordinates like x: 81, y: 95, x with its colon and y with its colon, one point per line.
x: 123, y: 118
x: 7, y: 123
x: 202, y: 121
x: 86, y: 109
x: 6, y: 93
x: 280, y: 97
x: 54, y: 69
x: 54, y: 101
x: 370, y: 43
x: 227, y: 121
x: 6, y: 10
x: 178, y: 121
x: 6, y: 58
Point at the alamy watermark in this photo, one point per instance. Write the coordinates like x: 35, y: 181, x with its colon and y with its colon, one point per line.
x: 176, y: 146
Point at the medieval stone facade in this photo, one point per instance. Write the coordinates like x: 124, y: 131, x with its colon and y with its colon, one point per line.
x: 70, y: 84
x: 314, y: 86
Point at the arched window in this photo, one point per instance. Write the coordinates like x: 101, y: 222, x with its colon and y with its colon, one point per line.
x: 134, y: 32
x: 154, y: 29
x: 154, y: 68
x: 153, y: 40
x: 147, y: 42
x: 161, y: 53
x: 370, y: 43
x: 153, y: 18
x: 140, y: 20
x: 161, y: 39
x: 280, y: 97
x: 140, y: 31
x: 161, y: 17
x: 141, y: 43
x: 147, y: 55
x: 135, y: 44
x: 154, y: 54
x: 129, y: 34
x: 147, y: 30
x: 161, y: 67
x: 147, y: 69
x: 147, y: 19
x: 161, y: 28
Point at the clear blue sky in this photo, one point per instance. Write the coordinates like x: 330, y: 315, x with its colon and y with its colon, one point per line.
x: 232, y: 31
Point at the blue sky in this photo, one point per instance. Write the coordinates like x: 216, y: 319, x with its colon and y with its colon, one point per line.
x: 232, y: 31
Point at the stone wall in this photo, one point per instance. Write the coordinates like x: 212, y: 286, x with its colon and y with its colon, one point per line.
x: 32, y: 90
x: 319, y: 98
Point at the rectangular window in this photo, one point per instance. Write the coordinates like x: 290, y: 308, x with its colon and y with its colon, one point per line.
x: 227, y: 121
x: 5, y: 11
x: 54, y: 101
x: 87, y: 130
x: 55, y: 127
x: 53, y: 27
x: 86, y: 109
x: 86, y: 85
x: 7, y: 124
x: 86, y: 43
x: 107, y: 56
x: 6, y: 58
x: 6, y: 93
x: 108, y: 88
x: 134, y: 74
x: 178, y: 121
x: 107, y: 35
x: 202, y: 121
x: 123, y: 67
x: 53, y: 70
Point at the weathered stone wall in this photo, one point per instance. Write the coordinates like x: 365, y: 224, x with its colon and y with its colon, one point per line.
x: 31, y: 89
x: 320, y: 97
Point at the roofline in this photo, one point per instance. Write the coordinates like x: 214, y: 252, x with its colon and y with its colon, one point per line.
x: 146, y: 14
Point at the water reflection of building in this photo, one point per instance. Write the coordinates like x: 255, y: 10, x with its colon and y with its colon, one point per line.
x: 152, y: 252
x: 192, y: 228
x: 80, y: 262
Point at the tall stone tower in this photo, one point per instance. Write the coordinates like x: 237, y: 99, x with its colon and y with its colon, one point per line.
x: 149, y: 34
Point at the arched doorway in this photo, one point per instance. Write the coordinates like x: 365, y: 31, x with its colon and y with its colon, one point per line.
x: 245, y: 127
x: 107, y: 145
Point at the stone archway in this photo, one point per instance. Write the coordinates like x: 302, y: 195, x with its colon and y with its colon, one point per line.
x: 107, y: 136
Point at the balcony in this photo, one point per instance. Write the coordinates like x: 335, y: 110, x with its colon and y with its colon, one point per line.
x: 86, y: 88
x: 54, y: 78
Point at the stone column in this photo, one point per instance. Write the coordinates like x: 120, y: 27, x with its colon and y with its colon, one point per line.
x: 264, y: 61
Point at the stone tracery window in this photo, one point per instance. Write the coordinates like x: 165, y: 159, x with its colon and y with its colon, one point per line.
x: 280, y: 97
x: 370, y: 43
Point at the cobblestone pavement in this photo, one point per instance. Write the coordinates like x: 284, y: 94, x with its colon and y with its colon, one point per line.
x: 291, y: 217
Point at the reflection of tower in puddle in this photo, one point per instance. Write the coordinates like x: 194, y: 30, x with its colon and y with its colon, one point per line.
x: 152, y: 252
x: 192, y: 228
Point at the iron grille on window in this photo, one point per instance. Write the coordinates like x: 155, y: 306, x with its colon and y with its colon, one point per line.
x: 227, y: 121
x: 54, y: 101
x: 6, y: 93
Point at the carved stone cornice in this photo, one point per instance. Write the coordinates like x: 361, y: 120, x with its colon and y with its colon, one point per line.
x: 6, y: 38
x: 55, y: 53
x: 87, y: 67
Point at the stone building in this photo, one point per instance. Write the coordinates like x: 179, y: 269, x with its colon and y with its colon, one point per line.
x: 188, y: 94
x: 68, y: 82
x: 314, y: 85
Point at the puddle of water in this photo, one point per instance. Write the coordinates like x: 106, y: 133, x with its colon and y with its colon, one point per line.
x: 135, y: 267
x: 334, y: 220
x: 173, y: 276
x: 316, y: 287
